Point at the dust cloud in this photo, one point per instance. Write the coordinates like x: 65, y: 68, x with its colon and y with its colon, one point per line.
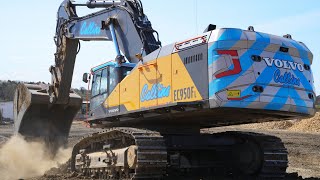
x: 22, y: 159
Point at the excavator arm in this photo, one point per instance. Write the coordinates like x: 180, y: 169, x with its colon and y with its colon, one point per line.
x: 122, y: 22
x: 47, y: 111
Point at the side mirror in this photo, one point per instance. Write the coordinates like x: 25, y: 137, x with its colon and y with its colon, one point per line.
x: 85, y: 78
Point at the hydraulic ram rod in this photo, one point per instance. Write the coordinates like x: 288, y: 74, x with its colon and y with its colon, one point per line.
x: 120, y: 58
x: 98, y: 4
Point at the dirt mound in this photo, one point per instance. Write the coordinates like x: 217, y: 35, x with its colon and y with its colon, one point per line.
x: 270, y: 125
x: 307, y: 125
x: 303, y: 125
x: 62, y: 172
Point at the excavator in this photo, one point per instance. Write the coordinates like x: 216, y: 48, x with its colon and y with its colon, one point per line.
x: 153, y: 103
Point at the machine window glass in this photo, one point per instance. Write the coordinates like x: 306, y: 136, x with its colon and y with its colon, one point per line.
x: 96, y: 83
x: 104, y: 81
x: 113, y: 80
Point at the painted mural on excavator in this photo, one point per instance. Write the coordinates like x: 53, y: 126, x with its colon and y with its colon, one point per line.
x: 153, y: 100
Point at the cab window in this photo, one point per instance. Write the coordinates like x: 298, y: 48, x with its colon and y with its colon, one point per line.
x: 113, y: 80
x: 96, y: 83
x: 100, y: 82
x: 104, y: 82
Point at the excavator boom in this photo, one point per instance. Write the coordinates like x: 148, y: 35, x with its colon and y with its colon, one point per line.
x: 47, y: 111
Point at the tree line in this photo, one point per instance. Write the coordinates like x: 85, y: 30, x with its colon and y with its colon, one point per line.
x: 7, y: 89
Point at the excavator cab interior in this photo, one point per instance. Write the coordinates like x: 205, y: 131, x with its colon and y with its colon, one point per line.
x: 105, y: 78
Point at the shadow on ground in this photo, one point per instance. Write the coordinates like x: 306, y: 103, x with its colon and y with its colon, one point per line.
x: 295, y: 176
x: 290, y: 176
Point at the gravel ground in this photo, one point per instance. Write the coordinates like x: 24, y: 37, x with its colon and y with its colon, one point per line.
x: 303, y: 148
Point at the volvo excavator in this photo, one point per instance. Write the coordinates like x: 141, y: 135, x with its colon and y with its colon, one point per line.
x: 152, y: 101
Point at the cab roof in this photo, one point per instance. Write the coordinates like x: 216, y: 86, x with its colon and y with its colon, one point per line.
x: 111, y: 63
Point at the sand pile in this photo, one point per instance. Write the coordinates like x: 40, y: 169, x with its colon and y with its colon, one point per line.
x: 21, y: 159
x: 307, y: 125
x: 270, y: 125
x: 303, y: 125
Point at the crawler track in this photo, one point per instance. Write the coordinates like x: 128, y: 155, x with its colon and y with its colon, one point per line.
x: 248, y: 155
x: 275, y: 155
x: 151, y: 153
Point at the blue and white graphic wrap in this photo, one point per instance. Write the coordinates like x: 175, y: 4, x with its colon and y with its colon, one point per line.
x: 286, y: 82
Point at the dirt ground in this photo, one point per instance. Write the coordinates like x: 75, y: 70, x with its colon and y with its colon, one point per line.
x: 303, y: 148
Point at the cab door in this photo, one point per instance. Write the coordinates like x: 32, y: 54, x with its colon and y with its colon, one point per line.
x: 113, y: 90
x: 99, y: 93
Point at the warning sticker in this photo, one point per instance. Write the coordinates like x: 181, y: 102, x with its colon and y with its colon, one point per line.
x: 233, y: 93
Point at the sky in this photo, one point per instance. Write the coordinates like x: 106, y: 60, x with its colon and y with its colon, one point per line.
x: 27, y: 47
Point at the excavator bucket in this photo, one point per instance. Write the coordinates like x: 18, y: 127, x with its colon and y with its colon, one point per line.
x: 37, y: 119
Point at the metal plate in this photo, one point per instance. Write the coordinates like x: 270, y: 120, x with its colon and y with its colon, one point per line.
x: 233, y: 93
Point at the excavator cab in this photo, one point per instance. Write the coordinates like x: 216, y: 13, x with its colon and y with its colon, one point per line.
x: 105, y: 79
